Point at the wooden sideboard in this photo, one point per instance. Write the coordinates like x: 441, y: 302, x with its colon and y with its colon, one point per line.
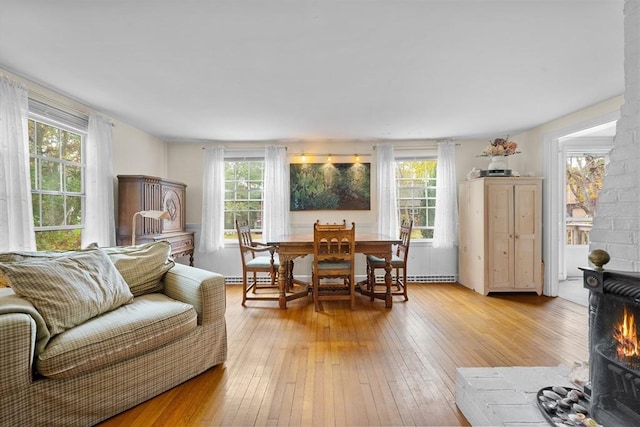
x: 143, y: 193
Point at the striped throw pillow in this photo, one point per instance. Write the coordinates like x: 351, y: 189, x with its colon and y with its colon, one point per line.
x: 69, y: 289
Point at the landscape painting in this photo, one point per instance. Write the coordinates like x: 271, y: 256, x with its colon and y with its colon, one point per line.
x: 330, y: 186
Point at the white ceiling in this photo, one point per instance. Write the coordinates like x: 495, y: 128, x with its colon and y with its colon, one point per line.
x: 189, y: 70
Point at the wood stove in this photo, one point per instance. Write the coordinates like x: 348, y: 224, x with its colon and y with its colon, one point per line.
x: 614, y: 351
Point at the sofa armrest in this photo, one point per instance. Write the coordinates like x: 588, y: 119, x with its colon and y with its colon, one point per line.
x: 12, y: 303
x: 203, y: 289
x: 18, y: 338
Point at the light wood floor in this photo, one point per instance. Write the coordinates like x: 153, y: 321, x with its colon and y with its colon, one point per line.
x: 370, y: 366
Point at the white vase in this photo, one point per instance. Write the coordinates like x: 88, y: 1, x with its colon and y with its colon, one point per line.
x: 498, y: 163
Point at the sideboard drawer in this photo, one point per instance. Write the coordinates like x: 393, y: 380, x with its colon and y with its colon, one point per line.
x: 182, y: 244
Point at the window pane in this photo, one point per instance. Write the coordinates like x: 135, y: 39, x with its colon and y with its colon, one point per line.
x: 255, y: 171
x: 242, y: 194
x: 48, y: 140
x: 50, y: 176
x: 73, y: 179
x: 32, y: 137
x: 584, y: 175
x: 404, y: 193
x: 427, y: 234
x: 35, y: 205
x: 255, y: 194
x: 58, y: 240
x: 74, y: 210
x: 33, y: 171
x: 71, y: 145
x: 52, y: 210
x: 255, y: 220
x: 229, y: 219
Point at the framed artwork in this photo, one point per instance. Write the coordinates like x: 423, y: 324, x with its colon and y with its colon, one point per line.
x: 330, y: 186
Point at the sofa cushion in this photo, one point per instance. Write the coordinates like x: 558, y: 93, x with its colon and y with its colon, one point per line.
x: 69, y: 289
x: 142, y: 266
x: 149, y: 322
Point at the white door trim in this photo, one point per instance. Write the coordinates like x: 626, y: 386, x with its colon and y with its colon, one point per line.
x: 553, y: 210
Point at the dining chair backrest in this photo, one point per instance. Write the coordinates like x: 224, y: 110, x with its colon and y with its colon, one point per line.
x: 402, y: 251
x: 333, y: 243
x: 244, y: 233
x: 321, y: 226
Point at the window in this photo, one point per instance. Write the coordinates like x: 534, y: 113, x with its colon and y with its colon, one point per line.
x: 243, y: 194
x: 57, y: 182
x: 584, y: 174
x: 416, y: 192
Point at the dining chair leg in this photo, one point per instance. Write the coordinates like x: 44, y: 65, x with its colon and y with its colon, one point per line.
x: 316, y: 302
x: 244, y: 288
x: 404, y: 284
x: 352, y: 291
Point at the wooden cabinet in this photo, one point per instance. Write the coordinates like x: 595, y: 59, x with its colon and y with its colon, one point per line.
x: 500, y: 234
x: 143, y: 193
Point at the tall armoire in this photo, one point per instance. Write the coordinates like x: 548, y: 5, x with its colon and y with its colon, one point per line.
x: 143, y: 193
x: 500, y: 234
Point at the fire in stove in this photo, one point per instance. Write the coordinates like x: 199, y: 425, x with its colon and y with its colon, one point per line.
x: 616, y: 387
x: 626, y: 337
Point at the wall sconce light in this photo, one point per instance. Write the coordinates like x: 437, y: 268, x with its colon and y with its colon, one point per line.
x: 357, y: 157
x: 303, y: 157
x: 146, y: 214
x: 329, y: 158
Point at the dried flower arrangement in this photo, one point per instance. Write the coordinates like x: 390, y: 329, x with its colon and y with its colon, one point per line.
x: 501, y: 147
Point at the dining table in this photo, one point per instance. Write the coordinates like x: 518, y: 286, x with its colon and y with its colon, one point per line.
x: 292, y: 246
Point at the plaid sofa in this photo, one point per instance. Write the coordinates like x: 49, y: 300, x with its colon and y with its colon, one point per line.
x: 121, y: 371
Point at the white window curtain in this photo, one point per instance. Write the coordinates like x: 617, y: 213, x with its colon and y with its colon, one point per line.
x: 99, y: 220
x: 212, y: 229
x: 16, y: 214
x: 386, y: 191
x: 276, y: 193
x: 445, y: 234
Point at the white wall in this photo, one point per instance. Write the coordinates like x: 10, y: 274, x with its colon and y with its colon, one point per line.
x: 136, y: 152
x: 185, y: 164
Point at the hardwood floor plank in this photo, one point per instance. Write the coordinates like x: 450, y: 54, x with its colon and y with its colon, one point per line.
x: 368, y: 366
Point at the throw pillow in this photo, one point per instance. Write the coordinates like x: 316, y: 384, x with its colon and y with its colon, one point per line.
x: 23, y: 256
x: 67, y: 290
x: 143, y: 266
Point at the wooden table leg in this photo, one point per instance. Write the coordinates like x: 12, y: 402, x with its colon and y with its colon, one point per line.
x: 388, y: 301
x: 283, y: 277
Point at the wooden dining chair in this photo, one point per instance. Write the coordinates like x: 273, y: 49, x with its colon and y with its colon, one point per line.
x: 333, y: 264
x: 258, y: 259
x: 398, y: 262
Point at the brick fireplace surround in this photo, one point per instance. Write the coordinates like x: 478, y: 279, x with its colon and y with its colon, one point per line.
x: 616, y: 229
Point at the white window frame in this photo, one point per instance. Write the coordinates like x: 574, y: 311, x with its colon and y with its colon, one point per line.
x: 230, y: 233
x: 51, y: 116
x: 429, y: 189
